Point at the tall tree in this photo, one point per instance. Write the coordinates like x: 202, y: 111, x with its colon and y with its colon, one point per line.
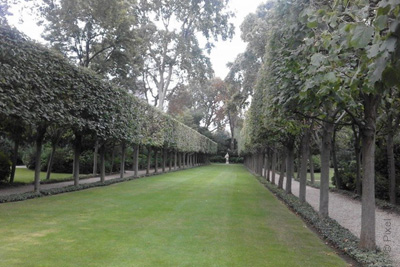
x: 98, y: 34
x: 172, y: 53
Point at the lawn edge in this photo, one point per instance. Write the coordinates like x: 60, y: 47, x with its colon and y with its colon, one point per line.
x: 329, y: 229
x: 74, y: 188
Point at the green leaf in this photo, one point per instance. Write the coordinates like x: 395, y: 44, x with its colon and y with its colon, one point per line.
x: 373, y: 50
x: 312, y: 24
x: 361, y: 36
x: 381, y: 22
x: 317, y: 59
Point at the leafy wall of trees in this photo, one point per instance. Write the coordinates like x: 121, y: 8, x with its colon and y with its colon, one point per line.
x: 325, y: 65
x: 40, y: 90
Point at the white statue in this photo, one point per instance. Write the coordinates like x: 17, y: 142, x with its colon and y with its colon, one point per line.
x: 227, y: 158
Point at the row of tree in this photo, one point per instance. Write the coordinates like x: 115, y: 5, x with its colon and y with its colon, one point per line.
x: 323, y: 65
x: 43, y: 94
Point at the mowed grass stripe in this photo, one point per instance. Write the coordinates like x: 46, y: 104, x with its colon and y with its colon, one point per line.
x: 211, y: 216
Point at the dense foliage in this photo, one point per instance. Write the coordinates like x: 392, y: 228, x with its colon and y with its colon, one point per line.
x: 326, y: 65
x: 39, y: 88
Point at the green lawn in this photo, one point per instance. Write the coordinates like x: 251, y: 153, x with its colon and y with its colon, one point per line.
x: 210, y: 216
x: 23, y: 175
x: 317, y: 177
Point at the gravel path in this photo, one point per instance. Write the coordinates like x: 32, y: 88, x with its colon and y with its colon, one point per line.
x: 347, y: 212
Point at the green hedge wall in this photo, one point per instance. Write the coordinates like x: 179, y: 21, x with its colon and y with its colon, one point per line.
x: 38, y: 87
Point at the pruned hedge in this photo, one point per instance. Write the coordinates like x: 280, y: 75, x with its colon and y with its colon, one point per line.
x: 38, y: 87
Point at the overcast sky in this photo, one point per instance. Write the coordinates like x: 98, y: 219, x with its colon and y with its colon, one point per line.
x: 223, y: 52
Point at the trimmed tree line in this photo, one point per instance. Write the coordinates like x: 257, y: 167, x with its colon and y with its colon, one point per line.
x: 326, y: 65
x: 42, y: 94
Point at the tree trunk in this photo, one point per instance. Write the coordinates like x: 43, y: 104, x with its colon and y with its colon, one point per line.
x: 179, y: 160
x: 51, y: 160
x: 367, y: 236
x: 123, y: 156
x: 327, y: 131
x: 391, y: 164
x: 175, y: 159
x: 14, y: 161
x: 338, y: 180
x: 273, y: 167
x: 268, y: 169
x: 289, y: 165
x: 281, y: 173
x: 38, y: 143
x: 103, y: 163
x: 303, y: 164
x: 112, y: 159
x: 312, y: 176
x: 136, y: 160
x: 156, y: 160
x: 170, y: 160
x: 357, y: 151
x: 148, y: 160
x: 96, y: 151
x: 77, y: 153
x: 164, y: 159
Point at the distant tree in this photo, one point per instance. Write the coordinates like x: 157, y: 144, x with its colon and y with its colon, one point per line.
x: 98, y: 34
x: 172, y: 53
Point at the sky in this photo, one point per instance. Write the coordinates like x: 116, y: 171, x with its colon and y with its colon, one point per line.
x: 223, y: 52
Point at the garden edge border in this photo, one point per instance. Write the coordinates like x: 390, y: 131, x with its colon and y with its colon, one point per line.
x: 329, y: 229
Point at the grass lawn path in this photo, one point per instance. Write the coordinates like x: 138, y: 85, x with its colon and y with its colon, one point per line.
x: 210, y: 216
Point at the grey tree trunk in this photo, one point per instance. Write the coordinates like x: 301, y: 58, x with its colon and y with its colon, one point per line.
x: 51, y: 160
x: 14, y: 161
x: 38, y: 144
x: 391, y: 168
x: 357, y: 151
x: 312, y: 176
x: 95, y: 153
x: 338, y: 180
x: 102, y: 163
x: 326, y: 144
x: 303, y: 164
x: 175, y: 159
x: 148, y: 160
x: 268, y: 169
x: 273, y: 167
x: 367, y: 236
x: 281, y: 173
x: 179, y: 160
x: 77, y: 153
x: 136, y: 160
x: 123, y: 158
x: 289, y: 165
x: 164, y: 159
x: 156, y: 160
x: 112, y: 159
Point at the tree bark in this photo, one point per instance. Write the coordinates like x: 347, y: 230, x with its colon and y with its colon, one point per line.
x: 148, y: 160
x: 357, y: 151
x: 112, y: 159
x: 95, y: 153
x: 123, y: 158
x: 303, y: 164
x: 338, y: 179
x: 136, y: 160
x: 102, y: 163
x: 312, y: 176
x: 156, y: 160
x: 14, y: 161
x: 326, y: 144
x: 51, y: 160
x: 273, y: 166
x: 289, y: 164
x: 367, y: 236
x: 281, y: 173
x: 164, y: 159
x: 41, y: 130
x: 391, y: 163
x: 175, y: 159
x: 77, y: 153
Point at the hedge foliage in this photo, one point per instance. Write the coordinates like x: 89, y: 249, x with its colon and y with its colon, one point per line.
x: 330, y: 230
x: 38, y: 87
